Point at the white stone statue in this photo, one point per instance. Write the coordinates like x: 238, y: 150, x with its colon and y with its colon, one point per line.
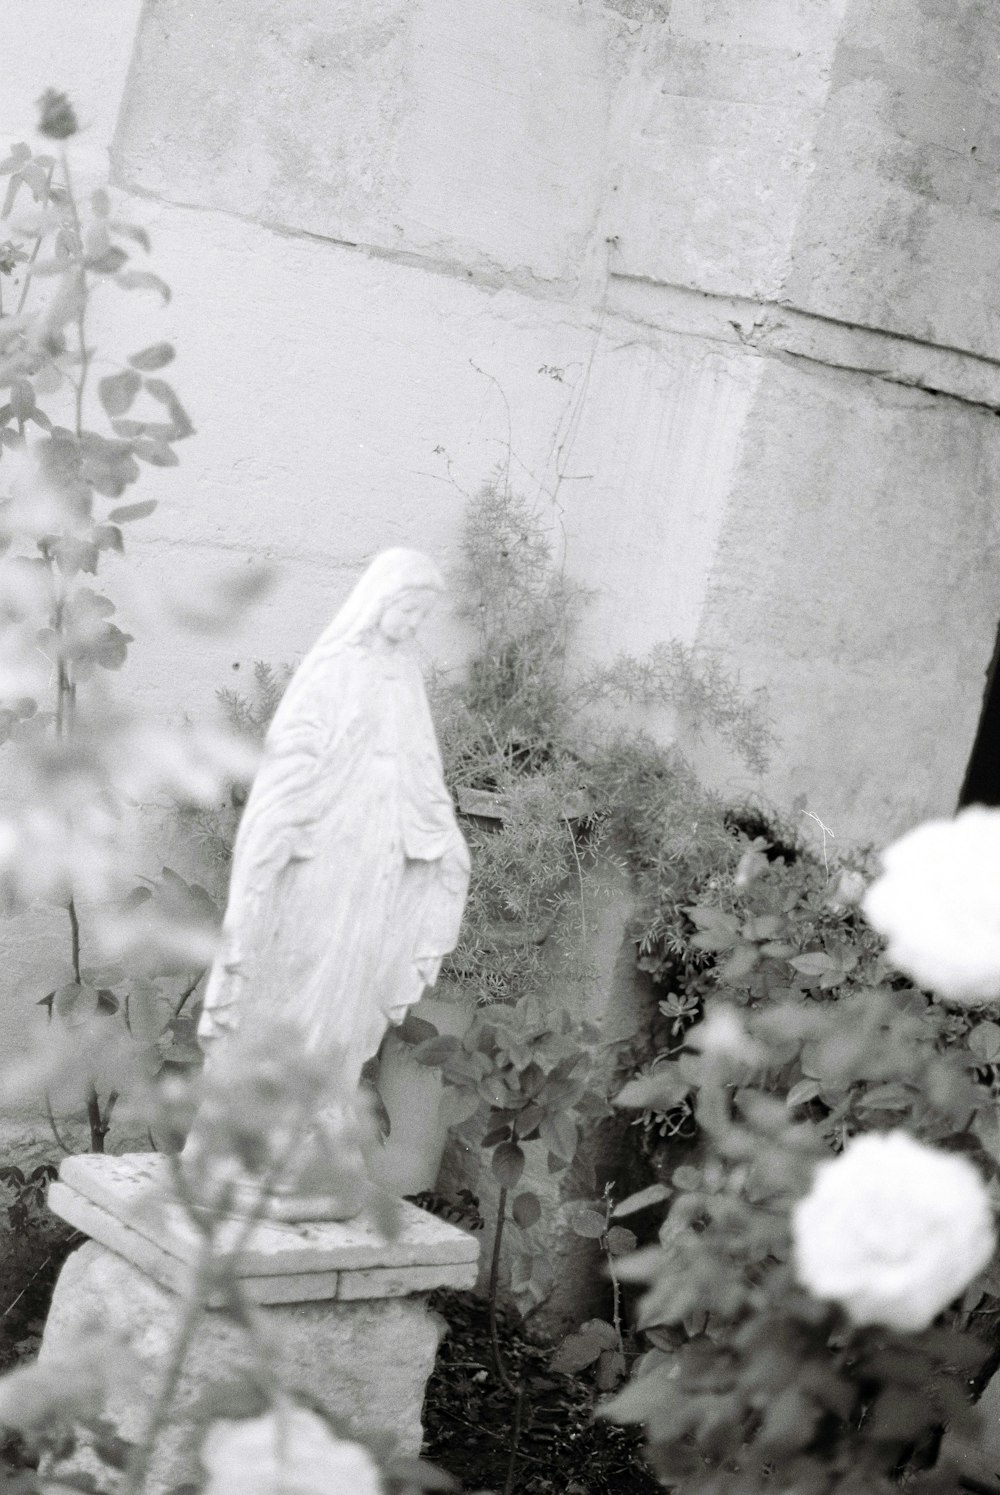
x: 349, y: 872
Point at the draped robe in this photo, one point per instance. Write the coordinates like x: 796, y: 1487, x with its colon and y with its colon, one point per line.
x: 349, y: 871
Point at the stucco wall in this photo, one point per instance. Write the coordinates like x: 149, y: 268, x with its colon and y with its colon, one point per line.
x: 685, y: 267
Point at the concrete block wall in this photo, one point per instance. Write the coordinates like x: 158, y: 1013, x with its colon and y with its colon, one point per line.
x: 716, y: 281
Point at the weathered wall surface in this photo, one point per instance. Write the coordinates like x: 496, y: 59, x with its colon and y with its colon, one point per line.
x: 689, y: 269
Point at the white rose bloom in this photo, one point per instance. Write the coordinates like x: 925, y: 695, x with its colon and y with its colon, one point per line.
x: 289, y: 1450
x: 937, y: 903
x: 892, y: 1231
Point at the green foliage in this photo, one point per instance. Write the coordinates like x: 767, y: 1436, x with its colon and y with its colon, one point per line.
x: 520, y: 1081
x: 523, y: 612
x: 526, y: 728
x: 524, y: 879
x: 251, y: 714
x: 597, y: 1342
x: 77, y: 758
x: 60, y: 518
x: 212, y: 828
x: 33, y: 1246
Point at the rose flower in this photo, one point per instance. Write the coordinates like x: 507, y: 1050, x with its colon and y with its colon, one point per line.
x: 937, y: 903
x: 892, y: 1231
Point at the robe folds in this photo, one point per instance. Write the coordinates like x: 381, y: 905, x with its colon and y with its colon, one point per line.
x: 349, y: 871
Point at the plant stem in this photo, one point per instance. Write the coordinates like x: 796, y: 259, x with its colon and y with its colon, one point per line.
x: 94, y: 1121
x: 84, y: 363
x: 579, y: 876
x: 52, y: 1123
x: 517, y: 1392
x: 34, y: 253
x: 616, y: 1301
x: 616, y: 1291
x: 498, y: 1364
x: 106, y: 1118
x: 81, y: 316
x: 98, y: 1126
x: 515, y: 1438
x: 142, y: 1453
x: 187, y: 993
x: 207, y: 1271
x: 74, y: 927
x: 65, y: 702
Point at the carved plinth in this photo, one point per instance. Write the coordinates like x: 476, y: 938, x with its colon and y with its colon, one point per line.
x: 348, y: 1307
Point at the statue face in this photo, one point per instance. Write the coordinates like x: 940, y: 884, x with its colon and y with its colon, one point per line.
x: 404, y: 614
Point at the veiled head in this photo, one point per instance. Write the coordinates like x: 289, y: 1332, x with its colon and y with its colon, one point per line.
x: 395, y: 589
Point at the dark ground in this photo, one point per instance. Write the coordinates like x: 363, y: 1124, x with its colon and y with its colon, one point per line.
x: 562, y: 1449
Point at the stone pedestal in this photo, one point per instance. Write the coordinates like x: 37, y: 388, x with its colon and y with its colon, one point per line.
x: 346, y: 1308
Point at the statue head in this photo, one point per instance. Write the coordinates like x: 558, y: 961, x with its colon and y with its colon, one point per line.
x: 393, y: 596
x: 404, y: 614
x: 384, y: 609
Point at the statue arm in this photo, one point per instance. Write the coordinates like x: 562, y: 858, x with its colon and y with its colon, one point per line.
x: 279, y: 821
x: 278, y: 828
x: 442, y: 921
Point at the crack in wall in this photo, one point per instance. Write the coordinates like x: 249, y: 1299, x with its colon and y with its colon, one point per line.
x: 884, y: 376
x: 776, y: 329
x: 767, y: 327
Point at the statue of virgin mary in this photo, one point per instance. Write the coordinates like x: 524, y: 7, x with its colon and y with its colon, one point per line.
x: 349, y: 871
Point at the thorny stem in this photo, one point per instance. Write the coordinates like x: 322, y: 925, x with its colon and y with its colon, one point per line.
x: 98, y: 1124
x: 616, y: 1301
x: 106, y: 1118
x: 94, y: 1121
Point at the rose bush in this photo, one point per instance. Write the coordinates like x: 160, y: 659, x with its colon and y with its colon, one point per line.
x: 937, y: 903
x: 790, y: 1315
x: 892, y: 1231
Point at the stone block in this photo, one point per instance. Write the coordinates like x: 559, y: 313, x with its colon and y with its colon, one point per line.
x: 367, y: 1361
x: 423, y: 126
x: 869, y: 611
x: 898, y: 227
x: 720, y: 111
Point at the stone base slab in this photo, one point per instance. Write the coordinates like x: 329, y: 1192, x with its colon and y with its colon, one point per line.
x: 343, y: 1311
x: 125, y: 1204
